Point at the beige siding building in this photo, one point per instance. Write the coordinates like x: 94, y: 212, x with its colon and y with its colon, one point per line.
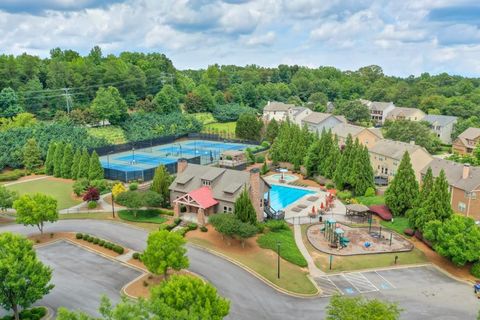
x: 366, y: 136
x: 378, y: 110
x: 466, y: 141
x: 386, y: 155
x: 276, y: 110
x: 400, y: 113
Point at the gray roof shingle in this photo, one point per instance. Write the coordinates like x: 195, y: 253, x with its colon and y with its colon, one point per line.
x: 393, y: 149
x: 440, y: 119
x: 454, y: 172
x: 277, y: 106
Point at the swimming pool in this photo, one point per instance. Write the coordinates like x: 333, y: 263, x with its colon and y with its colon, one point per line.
x: 282, y: 196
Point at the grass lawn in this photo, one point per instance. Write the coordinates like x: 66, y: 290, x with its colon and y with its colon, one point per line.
x: 288, y: 248
x: 399, y: 224
x: 264, y: 262
x: 369, y: 201
x: 113, y: 134
x: 205, y: 117
x: 359, y: 262
x: 60, y: 189
x: 228, y: 127
x: 149, y: 216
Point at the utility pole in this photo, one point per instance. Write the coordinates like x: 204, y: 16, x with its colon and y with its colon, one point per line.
x: 68, y: 99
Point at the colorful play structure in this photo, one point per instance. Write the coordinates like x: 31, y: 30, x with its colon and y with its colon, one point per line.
x: 334, y: 234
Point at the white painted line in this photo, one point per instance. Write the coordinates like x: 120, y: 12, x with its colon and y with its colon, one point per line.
x: 385, y: 280
x: 351, y: 283
x: 361, y: 281
x: 326, y: 278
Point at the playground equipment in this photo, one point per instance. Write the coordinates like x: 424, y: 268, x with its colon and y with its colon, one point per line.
x: 334, y: 235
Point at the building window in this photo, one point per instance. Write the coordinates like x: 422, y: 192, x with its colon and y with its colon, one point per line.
x: 206, y: 182
x: 229, y: 209
x: 471, y: 195
x: 225, y: 209
x: 461, y: 207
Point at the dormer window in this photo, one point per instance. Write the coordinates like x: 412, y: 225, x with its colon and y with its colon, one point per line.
x: 206, y: 182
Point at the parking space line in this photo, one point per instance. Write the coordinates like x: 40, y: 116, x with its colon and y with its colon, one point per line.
x: 329, y: 288
x: 360, y: 282
x: 353, y: 285
x: 389, y: 283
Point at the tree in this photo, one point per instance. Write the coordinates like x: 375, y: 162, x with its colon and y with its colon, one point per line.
x: 117, y: 189
x: 248, y: 127
x: 343, y: 171
x: 363, y: 171
x: 415, y: 215
x: 226, y: 224
x: 7, y: 197
x: 165, y: 250
x: 58, y: 159
x: 354, y: 111
x: 456, y: 238
x: 49, y: 161
x: 23, y: 278
x: 312, y: 158
x: 92, y: 194
x: 84, y: 165
x: 31, y: 155
x: 35, y: 210
x: 95, y: 169
x: 243, y: 208
x: 166, y: 100
x: 108, y: 104
x: 359, y: 308
x: 186, y: 297
x: 402, y: 192
x: 199, y: 100
x: 407, y: 131
x: 76, y: 163
x: 8, y: 103
x: 245, y: 231
x: 271, y: 131
x: 161, y: 182
x: 67, y: 162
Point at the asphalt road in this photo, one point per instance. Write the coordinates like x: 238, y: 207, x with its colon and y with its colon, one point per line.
x: 424, y: 293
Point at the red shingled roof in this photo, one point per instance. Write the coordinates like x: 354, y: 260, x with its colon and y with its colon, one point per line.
x: 203, y: 196
x: 382, y: 211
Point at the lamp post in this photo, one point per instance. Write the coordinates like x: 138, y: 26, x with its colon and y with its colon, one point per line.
x: 278, y: 260
x: 113, y: 206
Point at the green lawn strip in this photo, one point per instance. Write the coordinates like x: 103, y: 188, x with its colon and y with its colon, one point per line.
x: 399, y: 224
x: 360, y: 262
x: 370, y: 201
x: 150, y: 216
x: 61, y: 190
x: 288, y: 248
x: 113, y: 134
x: 221, y: 126
x: 292, y: 277
x: 205, y: 117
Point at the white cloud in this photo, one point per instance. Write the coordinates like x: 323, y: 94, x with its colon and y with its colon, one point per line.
x: 262, y: 39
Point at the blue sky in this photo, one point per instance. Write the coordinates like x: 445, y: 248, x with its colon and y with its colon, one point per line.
x: 402, y: 36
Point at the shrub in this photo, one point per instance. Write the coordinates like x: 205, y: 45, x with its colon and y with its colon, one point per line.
x: 85, y: 236
x: 170, y: 227
x: 101, y: 243
x: 136, y: 256
x: 92, y: 194
x: 36, y: 313
x: 90, y: 239
x: 79, y: 236
x: 475, y: 269
x: 95, y: 240
x: 409, y: 232
x: 164, y: 227
x: 12, y: 175
x: 344, y: 195
x: 192, y: 226
x: 152, y: 199
x: 276, y: 225
x: 80, y: 186
x: 203, y: 229
x: 103, y: 186
x: 92, y: 205
x: 177, y: 221
x: 370, y: 192
x: 182, y: 231
x: 265, y: 144
x: 260, y: 159
x: 118, y: 249
x: 260, y: 227
x: 133, y: 186
x: 330, y: 186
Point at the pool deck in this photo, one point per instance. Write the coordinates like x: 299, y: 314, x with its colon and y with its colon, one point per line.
x: 302, y: 216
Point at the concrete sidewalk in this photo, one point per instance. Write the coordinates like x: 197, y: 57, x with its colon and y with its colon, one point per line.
x: 312, y: 268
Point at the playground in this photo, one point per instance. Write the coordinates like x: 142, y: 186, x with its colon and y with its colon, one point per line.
x: 336, y: 238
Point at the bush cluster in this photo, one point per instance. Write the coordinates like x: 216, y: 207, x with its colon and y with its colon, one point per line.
x: 192, y: 226
x: 344, y: 195
x: 276, y: 225
x: 12, y: 175
x: 108, y: 245
x: 203, y: 229
x: 137, y: 256
x: 92, y: 205
x: 35, y: 313
x: 475, y: 270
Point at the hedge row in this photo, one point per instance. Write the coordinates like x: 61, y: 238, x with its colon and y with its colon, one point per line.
x: 102, y: 243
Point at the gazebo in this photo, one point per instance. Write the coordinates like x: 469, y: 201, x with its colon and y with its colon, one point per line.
x: 199, y: 202
x: 358, y: 210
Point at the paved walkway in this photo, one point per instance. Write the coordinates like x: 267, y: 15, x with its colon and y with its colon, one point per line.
x: 126, y: 256
x: 25, y: 180
x: 312, y: 268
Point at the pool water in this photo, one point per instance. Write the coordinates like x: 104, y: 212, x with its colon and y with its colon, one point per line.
x: 282, y: 196
x: 286, y: 177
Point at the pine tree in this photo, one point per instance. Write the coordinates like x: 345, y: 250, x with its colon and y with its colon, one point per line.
x: 58, y: 159
x: 161, y: 182
x: 95, y: 169
x: 332, y: 159
x: 31, y: 155
x: 415, y: 215
x: 76, y: 163
x: 271, y: 131
x: 342, y: 170
x: 312, y: 158
x: 67, y: 162
x: 402, y: 192
x: 364, y: 172
x: 49, y: 162
x: 244, y: 209
x: 83, y: 165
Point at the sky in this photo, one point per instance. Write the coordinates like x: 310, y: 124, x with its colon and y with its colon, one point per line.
x: 404, y: 37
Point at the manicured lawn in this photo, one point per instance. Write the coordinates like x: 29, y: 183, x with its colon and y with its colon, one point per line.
x: 228, y: 127
x: 369, y: 201
x: 150, y: 216
x: 264, y: 262
x: 113, y: 134
x: 58, y: 188
x: 399, y: 224
x: 288, y: 248
x: 359, y: 262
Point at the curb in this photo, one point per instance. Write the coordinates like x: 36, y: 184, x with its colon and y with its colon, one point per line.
x: 258, y: 276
